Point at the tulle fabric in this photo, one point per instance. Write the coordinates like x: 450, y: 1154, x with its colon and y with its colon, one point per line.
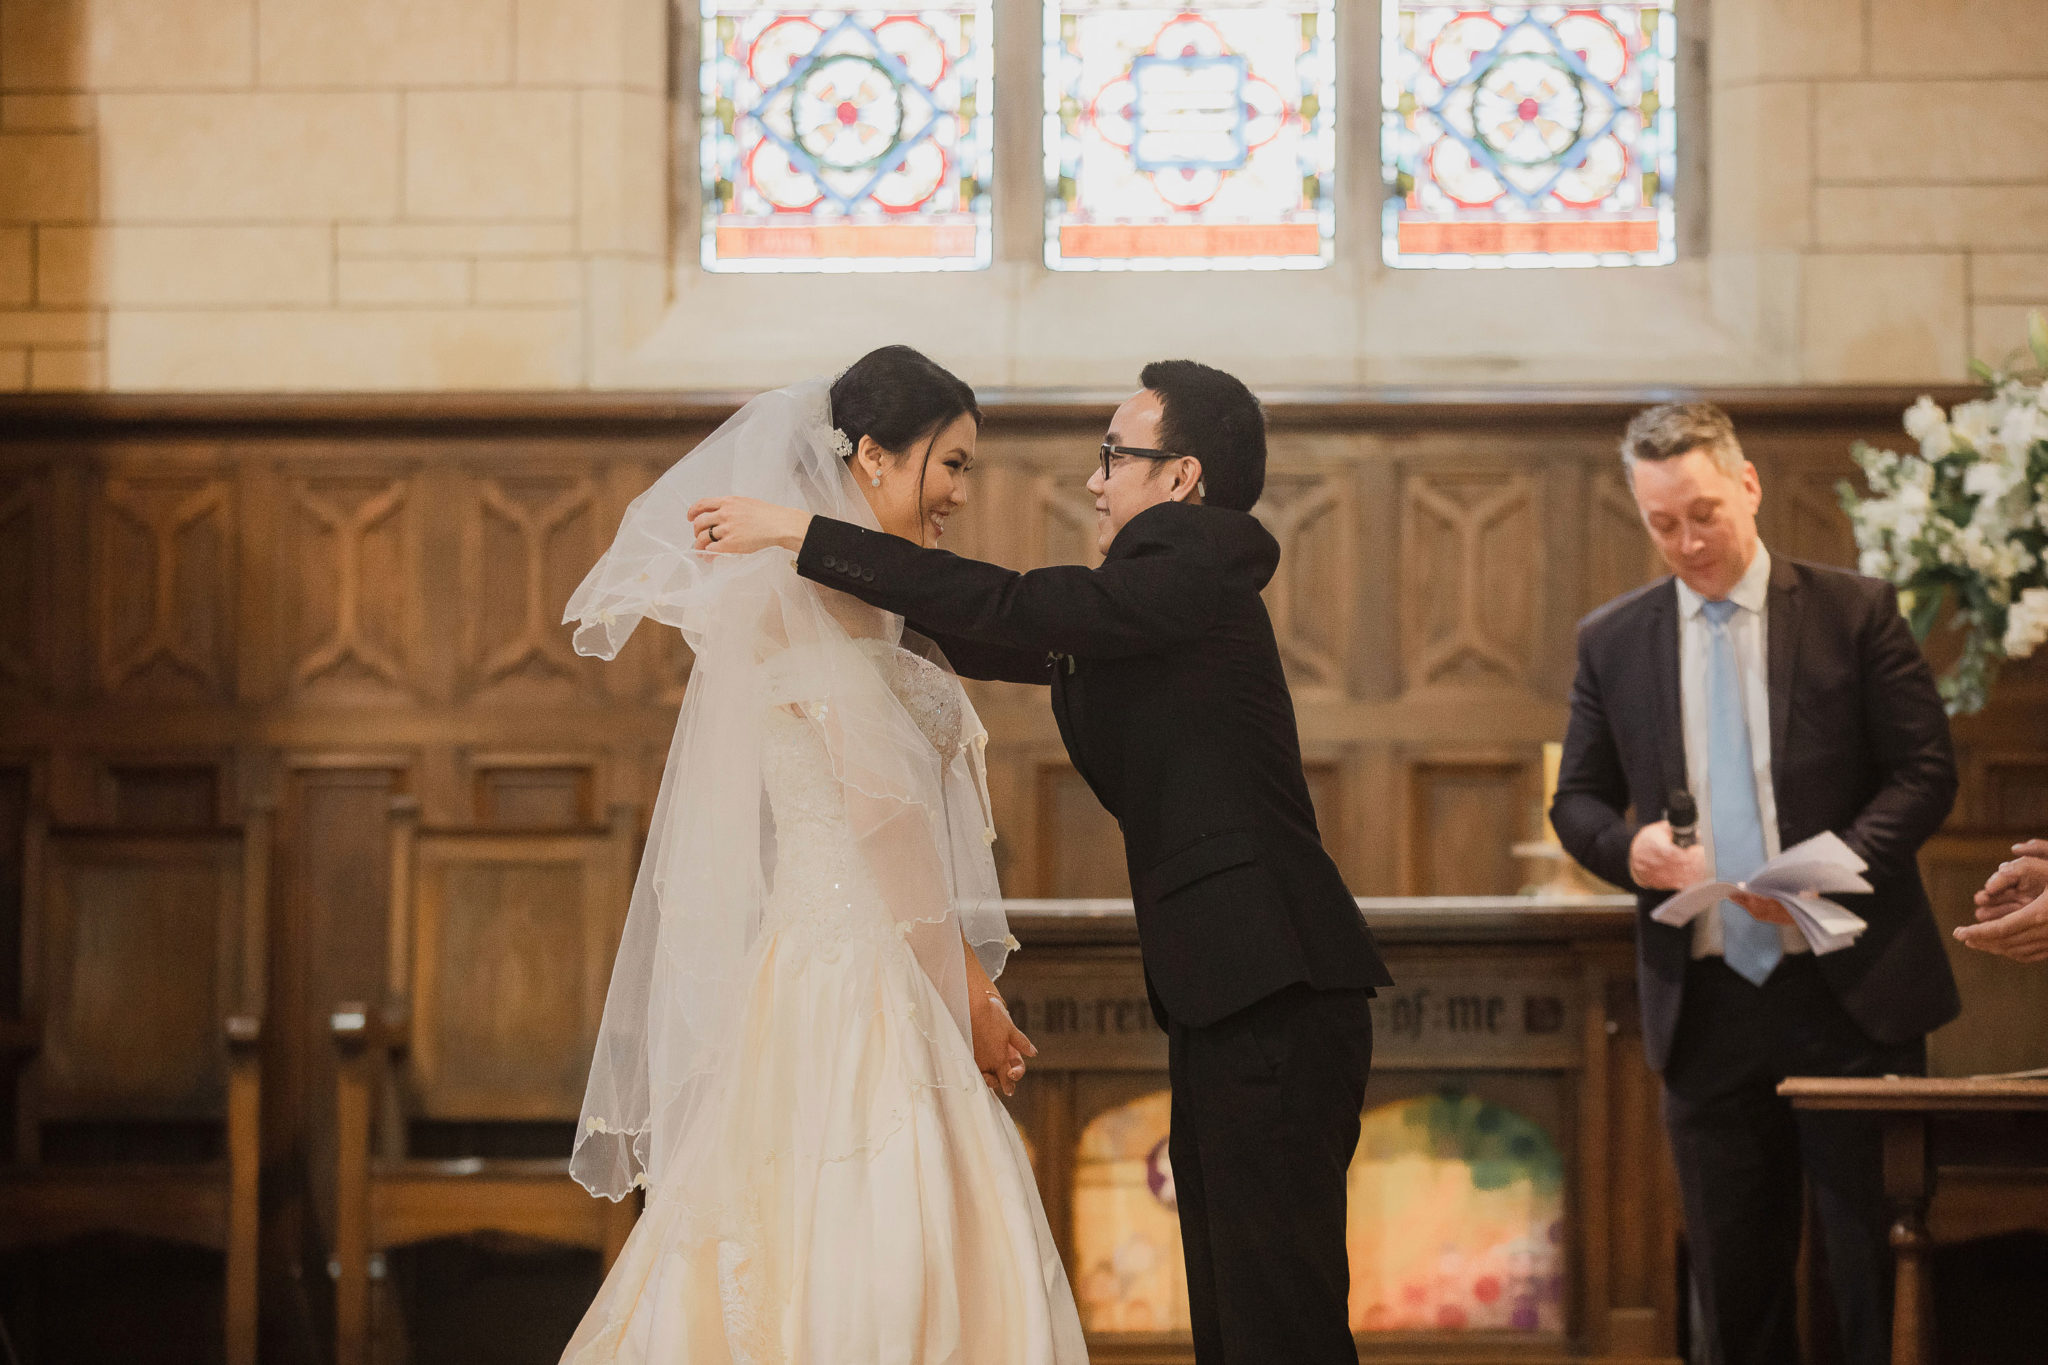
x: 919, y: 821
x: 856, y: 1195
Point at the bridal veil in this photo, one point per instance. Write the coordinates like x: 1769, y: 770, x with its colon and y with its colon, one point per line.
x: 761, y: 636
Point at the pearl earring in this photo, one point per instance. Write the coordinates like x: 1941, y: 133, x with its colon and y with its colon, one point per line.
x: 875, y: 482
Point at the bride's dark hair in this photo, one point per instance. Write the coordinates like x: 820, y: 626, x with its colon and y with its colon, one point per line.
x: 897, y: 395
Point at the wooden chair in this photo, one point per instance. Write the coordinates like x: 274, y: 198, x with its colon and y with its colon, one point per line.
x: 141, y: 1004
x: 501, y: 945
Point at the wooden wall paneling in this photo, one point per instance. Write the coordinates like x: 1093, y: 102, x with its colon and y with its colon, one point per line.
x: 1080, y: 849
x: 165, y: 790
x: 1310, y: 512
x: 1619, y: 554
x: 513, y: 790
x: 1464, y: 811
x: 1471, y: 576
x: 2004, y: 1023
x: 25, y: 580
x: 1375, y: 666
x: 330, y: 942
x: 348, y: 627
x: 529, y: 536
x: 2004, y: 789
x: 164, y: 556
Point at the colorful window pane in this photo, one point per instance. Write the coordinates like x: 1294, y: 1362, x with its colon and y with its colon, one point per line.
x: 1456, y: 1220
x: 1128, y: 1272
x: 1194, y: 138
x: 1528, y: 135
x: 846, y: 139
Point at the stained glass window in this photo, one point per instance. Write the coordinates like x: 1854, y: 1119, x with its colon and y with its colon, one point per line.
x: 1191, y: 138
x: 1528, y: 135
x: 1456, y: 1220
x: 1129, y: 1275
x: 846, y: 139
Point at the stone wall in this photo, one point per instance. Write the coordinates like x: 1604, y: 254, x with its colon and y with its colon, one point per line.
x: 277, y: 195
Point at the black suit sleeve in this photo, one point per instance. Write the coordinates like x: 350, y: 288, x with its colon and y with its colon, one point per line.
x: 1161, y: 594
x: 1905, y: 733
x: 989, y: 663
x: 1589, y: 811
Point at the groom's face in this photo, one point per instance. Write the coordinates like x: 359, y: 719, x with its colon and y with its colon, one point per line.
x: 1133, y: 483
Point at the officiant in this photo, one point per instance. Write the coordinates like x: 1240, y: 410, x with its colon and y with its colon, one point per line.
x: 1787, y: 699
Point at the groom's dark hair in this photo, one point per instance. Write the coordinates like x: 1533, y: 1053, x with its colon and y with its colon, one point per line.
x: 1212, y: 416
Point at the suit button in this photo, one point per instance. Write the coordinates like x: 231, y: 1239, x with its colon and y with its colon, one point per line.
x: 851, y: 567
x: 829, y: 562
x: 868, y: 577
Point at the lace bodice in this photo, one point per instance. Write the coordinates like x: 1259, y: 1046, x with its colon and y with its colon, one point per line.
x: 822, y: 893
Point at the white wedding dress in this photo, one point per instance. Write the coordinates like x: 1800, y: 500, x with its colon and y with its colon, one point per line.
x: 854, y: 1194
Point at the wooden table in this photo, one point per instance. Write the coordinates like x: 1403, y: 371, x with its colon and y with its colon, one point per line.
x: 1931, y: 1122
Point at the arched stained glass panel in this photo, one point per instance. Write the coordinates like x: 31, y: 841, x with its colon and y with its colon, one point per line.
x: 846, y: 139
x: 1456, y: 1220
x: 1528, y: 135
x: 1201, y: 137
x: 1128, y: 1272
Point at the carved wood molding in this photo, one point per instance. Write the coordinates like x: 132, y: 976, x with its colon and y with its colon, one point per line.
x: 1471, y: 565
x: 163, y: 605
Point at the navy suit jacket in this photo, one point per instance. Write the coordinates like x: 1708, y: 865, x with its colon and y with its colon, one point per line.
x: 1859, y: 745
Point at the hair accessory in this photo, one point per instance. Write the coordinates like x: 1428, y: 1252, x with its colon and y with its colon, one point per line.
x: 841, y: 445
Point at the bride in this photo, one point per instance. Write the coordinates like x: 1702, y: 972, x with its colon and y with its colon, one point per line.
x: 801, y: 1042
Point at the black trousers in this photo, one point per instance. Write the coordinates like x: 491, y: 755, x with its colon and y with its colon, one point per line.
x: 1266, y: 1106
x: 1744, y: 1156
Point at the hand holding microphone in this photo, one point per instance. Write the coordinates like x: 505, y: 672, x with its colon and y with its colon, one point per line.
x: 1666, y: 856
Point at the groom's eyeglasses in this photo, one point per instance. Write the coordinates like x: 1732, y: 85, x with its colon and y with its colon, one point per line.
x: 1112, y: 453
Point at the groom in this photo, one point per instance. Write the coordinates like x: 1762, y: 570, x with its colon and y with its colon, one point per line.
x: 1167, y: 686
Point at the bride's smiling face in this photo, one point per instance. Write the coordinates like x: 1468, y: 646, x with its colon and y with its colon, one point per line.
x: 922, y: 486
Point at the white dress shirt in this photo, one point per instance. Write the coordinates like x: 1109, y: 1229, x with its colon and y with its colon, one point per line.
x: 1746, y: 630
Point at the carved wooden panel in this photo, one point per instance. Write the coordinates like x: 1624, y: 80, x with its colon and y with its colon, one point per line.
x: 1080, y: 848
x: 163, y: 569
x: 134, y: 937
x: 528, y: 541
x: 1464, y: 817
x: 2010, y: 791
x: 1810, y: 524
x: 1471, y: 574
x: 1312, y: 596
x: 163, y: 795
x: 514, y: 941
x: 538, y: 795
x: 347, y: 550
x: 24, y: 581
x: 14, y: 798
x: 1620, y: 556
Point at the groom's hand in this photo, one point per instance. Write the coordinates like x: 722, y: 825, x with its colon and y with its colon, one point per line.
x: 736, y: 525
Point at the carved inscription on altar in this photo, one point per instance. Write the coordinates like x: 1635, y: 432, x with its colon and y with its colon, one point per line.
x: 1478, y: 1019
x: 1093, y: 1015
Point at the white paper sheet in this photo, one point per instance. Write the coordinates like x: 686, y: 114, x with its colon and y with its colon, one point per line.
x: 1822, y: 863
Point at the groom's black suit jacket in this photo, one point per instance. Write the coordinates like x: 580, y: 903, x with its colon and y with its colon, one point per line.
x: 1859, y: 745
x: 1167, y: 687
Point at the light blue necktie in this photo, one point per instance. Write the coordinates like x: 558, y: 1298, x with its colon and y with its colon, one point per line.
x: 1749, y: 945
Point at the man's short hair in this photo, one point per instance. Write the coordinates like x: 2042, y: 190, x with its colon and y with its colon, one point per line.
x: 1212, y: 416
x: 1671, y: 430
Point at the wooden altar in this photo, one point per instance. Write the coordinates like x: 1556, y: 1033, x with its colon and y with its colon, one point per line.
x: 1521, y: 1010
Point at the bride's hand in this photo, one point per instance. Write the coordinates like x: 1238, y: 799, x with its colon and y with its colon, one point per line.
x: 1000, y: 1047
x: 736, y: 525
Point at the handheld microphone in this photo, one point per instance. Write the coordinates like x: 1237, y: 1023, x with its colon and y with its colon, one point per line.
x: 1684, y: 817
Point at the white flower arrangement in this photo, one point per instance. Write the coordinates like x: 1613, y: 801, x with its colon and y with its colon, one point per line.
x: 1965, y: 521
